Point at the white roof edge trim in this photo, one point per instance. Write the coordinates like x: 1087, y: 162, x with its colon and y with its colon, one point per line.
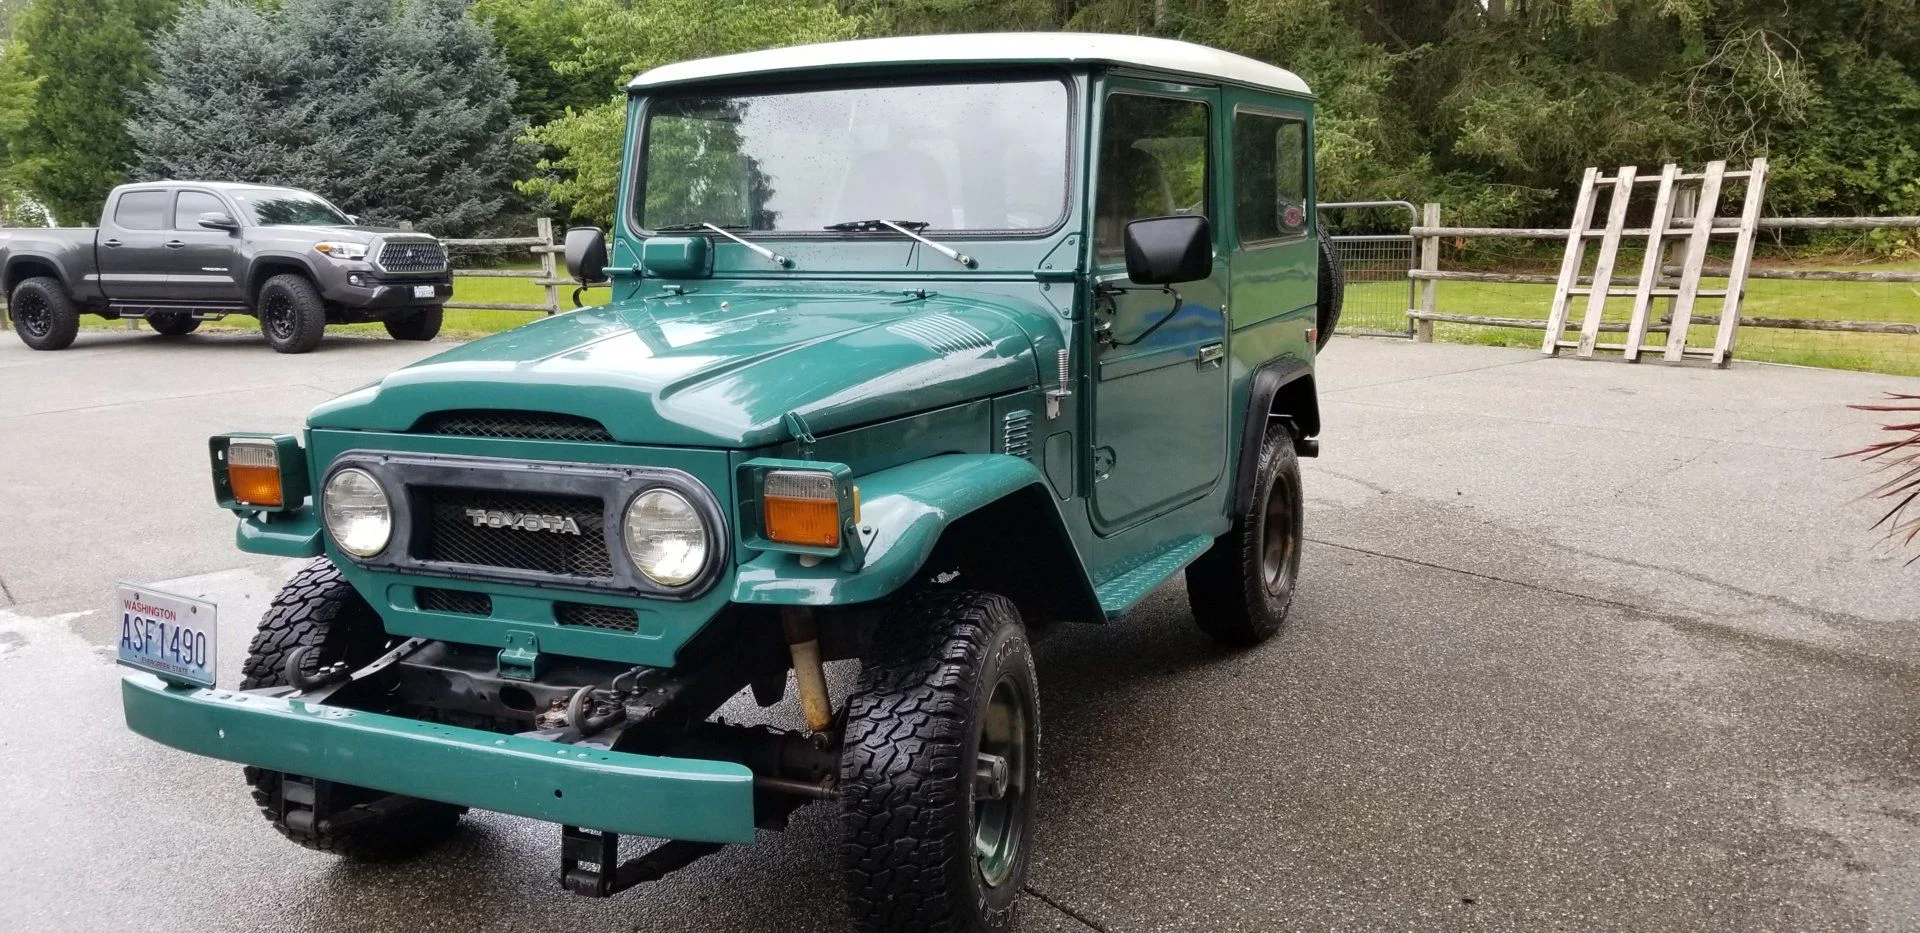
x: 1013, y: 47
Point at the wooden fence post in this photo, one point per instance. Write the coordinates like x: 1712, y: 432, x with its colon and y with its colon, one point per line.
x: 1429, y: 262
x: 549, y: 270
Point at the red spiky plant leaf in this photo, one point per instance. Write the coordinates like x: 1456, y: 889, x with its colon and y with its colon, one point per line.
x: 1899, y: 461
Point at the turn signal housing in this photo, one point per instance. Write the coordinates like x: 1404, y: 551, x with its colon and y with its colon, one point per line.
x: 800, y: 507
x: 258, y: 472
x: 803, y: 507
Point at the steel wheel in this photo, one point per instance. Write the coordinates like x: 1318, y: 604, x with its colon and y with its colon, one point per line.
x: 1000, y: 783
x: 32, y: 315
x: 1280, y: 535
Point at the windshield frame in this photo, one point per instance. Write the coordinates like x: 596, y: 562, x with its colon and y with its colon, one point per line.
x: 235, y: 193
x: 641, y: 104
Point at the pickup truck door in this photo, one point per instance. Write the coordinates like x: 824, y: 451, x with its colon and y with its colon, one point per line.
x: 201, y: 264
x: 130, y: 248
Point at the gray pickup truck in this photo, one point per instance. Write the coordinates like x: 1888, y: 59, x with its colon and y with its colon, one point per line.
x: 180, y: 252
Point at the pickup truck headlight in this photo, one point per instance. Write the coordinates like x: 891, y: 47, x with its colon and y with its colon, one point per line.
x: 342, y: 251
x: 359, y: 516
x: 666, y: 540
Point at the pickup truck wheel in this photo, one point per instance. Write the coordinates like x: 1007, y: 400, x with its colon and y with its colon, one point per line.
x: 1242, y: 587
x: 1333, y: 293
x: 44, y: 315
x: 320, y: 611
x: 292, y: 315
x: 173, y: 323
x: 418, y: 324
x: 940, y: 766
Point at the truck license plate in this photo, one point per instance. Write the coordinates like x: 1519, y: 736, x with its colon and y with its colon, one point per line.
x: 172, y: 636
x: 423, y: 291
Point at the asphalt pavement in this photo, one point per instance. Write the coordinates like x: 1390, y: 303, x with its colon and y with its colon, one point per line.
x: 1579, y: 645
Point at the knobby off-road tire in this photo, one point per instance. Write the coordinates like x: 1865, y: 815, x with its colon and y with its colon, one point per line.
x: 43, y: 314
x: 292, y: 315
x: 927, y: 846
x: 317, y: 608
x: 418, y: 324
x: 1333, y: 293
x: 173, y: 323
x: 1241, y: 588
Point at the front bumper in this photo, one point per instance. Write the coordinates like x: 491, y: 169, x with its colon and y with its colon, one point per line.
x: 642, y: 795
x: 382, y: 293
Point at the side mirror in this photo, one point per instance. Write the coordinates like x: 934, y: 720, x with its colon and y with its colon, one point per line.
x: 1169, y: 250
x: 218, y: 220
x: 353, y: 219
x: 587, y: 255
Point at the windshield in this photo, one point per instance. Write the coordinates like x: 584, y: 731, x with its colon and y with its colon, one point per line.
x: 951, y: 156
x: 288, y: 207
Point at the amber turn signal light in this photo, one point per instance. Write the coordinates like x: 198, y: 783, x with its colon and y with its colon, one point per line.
x: 253, y: 472
x: 801, y: 507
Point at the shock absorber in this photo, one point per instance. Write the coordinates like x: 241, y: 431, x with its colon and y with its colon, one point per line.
x: 803, y: 640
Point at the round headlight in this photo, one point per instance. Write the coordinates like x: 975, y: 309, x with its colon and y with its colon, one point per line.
x: 665, y: 538
x: 357, y: 512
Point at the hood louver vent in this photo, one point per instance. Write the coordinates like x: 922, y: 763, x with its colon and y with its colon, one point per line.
x: 941, y: 333
x: 520, y: 425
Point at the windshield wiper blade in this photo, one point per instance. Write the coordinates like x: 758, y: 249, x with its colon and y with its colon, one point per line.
x: 906, y: 227
x: 761, y: 251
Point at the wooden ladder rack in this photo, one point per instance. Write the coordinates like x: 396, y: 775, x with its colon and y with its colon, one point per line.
x: 1679, y: 195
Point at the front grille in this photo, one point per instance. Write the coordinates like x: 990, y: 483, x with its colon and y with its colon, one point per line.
x: 464, y: 602
x: 413, y: 256
x: 521, y: 425
x: 587, y: 615
x: 525, y: 539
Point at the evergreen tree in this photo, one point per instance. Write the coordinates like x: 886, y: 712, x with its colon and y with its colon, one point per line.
x: 86, y: 59
x: 397, y: 112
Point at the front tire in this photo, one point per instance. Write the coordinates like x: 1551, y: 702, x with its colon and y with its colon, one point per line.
x: 173, y: 323
x: 319, y: 610
x: 1242, y: 587
x: 44, y: 315
x: 940, y: 767
x: 292, y: 315
x: 418, y: 324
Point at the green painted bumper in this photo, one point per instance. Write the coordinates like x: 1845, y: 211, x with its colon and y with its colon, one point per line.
x: 641, y: 795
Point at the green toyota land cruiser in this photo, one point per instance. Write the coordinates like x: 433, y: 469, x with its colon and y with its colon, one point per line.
x: 913, y: 344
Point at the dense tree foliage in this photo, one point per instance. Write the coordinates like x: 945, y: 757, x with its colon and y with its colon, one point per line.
x: 71, y: 71
x: 393, y: 111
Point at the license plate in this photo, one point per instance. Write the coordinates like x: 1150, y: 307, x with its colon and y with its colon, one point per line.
x: 169, y: 635
x: 423, y: 291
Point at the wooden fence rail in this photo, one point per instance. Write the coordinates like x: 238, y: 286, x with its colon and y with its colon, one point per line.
x: 1429, y: 233
x: 549, y: 276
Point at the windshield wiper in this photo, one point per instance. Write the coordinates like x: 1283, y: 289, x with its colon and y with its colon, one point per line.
x: 905, y: 227
x: 761, y: 251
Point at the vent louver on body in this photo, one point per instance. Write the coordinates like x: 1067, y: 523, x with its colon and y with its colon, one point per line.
x: 1017, y: 434
x: 519, y: 425
x: 941, y: 333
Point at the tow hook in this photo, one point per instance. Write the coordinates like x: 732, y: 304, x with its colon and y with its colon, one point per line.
x: 323, y: 677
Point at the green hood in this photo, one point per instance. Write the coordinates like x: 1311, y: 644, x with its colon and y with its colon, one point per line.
x: 716, y: 370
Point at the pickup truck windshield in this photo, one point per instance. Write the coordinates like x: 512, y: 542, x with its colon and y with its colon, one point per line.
x: 984, y: 157
x: 288, y: 207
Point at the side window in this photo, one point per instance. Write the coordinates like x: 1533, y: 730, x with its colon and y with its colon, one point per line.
x: 1153, y: 162
x: 143, y: 210
x: 188, y: 207
x: 1269, y: 177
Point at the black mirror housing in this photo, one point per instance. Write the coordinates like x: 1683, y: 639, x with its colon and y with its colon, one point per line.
x: 587, y: 255
x: 218, y: 220
x: 1169, y: 250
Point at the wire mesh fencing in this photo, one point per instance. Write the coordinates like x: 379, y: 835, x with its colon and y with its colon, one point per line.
x: 1375, y: 257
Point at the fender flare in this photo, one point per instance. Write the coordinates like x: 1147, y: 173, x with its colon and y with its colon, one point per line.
x: 15, y: 259
x: 909, y: 508
x: 255, y: 279
x: 1268, y: 381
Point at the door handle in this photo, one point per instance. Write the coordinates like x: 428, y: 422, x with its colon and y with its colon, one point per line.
x: 176, y: 244
x: 110, y: 244
x: 1211, y: 354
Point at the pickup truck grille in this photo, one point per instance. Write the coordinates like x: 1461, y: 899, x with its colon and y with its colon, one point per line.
x: 413, y: 256
x: 515, y: 530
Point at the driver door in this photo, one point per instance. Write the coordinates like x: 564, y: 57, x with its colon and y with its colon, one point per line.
x: 1160, y: 381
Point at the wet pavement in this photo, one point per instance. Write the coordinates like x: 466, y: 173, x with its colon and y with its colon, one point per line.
x: 1578, y: 645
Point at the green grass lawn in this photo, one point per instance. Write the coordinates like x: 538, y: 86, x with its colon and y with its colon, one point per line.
x: 1833, y: 301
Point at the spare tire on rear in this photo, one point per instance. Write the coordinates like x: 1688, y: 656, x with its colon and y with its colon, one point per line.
x: 1333, y: 293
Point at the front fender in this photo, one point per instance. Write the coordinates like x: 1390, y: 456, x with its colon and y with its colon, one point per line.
x: 904, y: 512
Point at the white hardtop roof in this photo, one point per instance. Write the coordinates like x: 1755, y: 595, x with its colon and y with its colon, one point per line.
x: 986, y: 48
